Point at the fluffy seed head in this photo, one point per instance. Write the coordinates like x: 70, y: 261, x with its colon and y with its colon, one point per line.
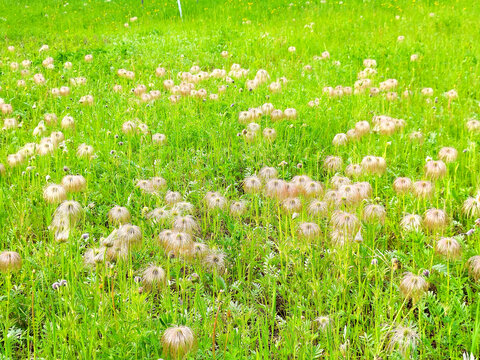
x: 85, y: 151
x: 69, y: 209
x: 471, y: 206
x: 312, y: 188
x: 277, y: 115
x: 238, y: 208
x: 185, y: 224
x: 348, y: 195
x: 154, y: 278
x: 276, y: 188
x: 159, y: 216
x: 292, y: 205
x: 416, y: 136
x: 402, y: 185
x: 119, y: 215
x: 422, y: 189
x: 435, y: 219
x: 159, y: 139
x: 183, y: 208
x: 322, y: 322
x: 345, y: 222
x: 179, y: 243
x: 178, y: 341
x: 269, y: 134
x: 411, y: 222
x: 374, y: 164
x: 252, y: 184
x: 448, y: 154
x: 10, y: 261
x: 214, y: 200
x: 474, y: 267
x: 435, y: 169
x: 308, y: 230
x: 172, y: 197
x: 61, y: 226
x: 404, y: 339
x: 54, y: 194
x: 338, y: 181
x: 473, y: 126
x: 267, y: 173
x: 214, y: 261
x: 374, y: 214
x: 129, y: 235
x: 333, y: 163
x: 318, y: 208
x: 290, y: 113
x: 74, y: 183
x: 67, y: 122
x: 340, y: 139
x: 448, y: 247
x: 413, y: 286
x: 354, y: 170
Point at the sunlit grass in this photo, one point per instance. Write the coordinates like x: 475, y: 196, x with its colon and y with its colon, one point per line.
x: 258, y: 180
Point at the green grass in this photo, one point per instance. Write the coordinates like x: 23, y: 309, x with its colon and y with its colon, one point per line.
x: 276, y: 283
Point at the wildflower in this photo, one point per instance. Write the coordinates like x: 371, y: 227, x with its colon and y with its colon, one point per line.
x: 474, y: 267
x: 214, y: 261
x: 54, y: 194
x: 435, y: 219
x: 154, y: 278
x: 129, y: 235
x: 402, y: 185
x: 308, y: 230
x: 340, y: 139
x: 411, y: 222
x: 322, y: 322
x: 74, y: 183
x: 413, y: 286
x: 374, y: 214
x: 267, y: 173
x: 237, y: 208
x: 471, y: 206
x: 119, y: 215
x: 10, y: 261
x: 422, y: 189
x: 185, y: 224
x: 172, y: 197
x: 318, y: 208
x: 354, y: 170
x: 448, y: 154
x: 435, y: 169
x: 276, y: 188
x: 404, y: 339
x: 448, y: 247
x: 333, y: 163
x: 178, y: 341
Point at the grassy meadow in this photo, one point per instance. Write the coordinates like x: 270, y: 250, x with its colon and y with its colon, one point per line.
x: 254, y: 180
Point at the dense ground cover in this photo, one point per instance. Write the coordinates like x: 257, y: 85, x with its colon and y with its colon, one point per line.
x: 315, y: 162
